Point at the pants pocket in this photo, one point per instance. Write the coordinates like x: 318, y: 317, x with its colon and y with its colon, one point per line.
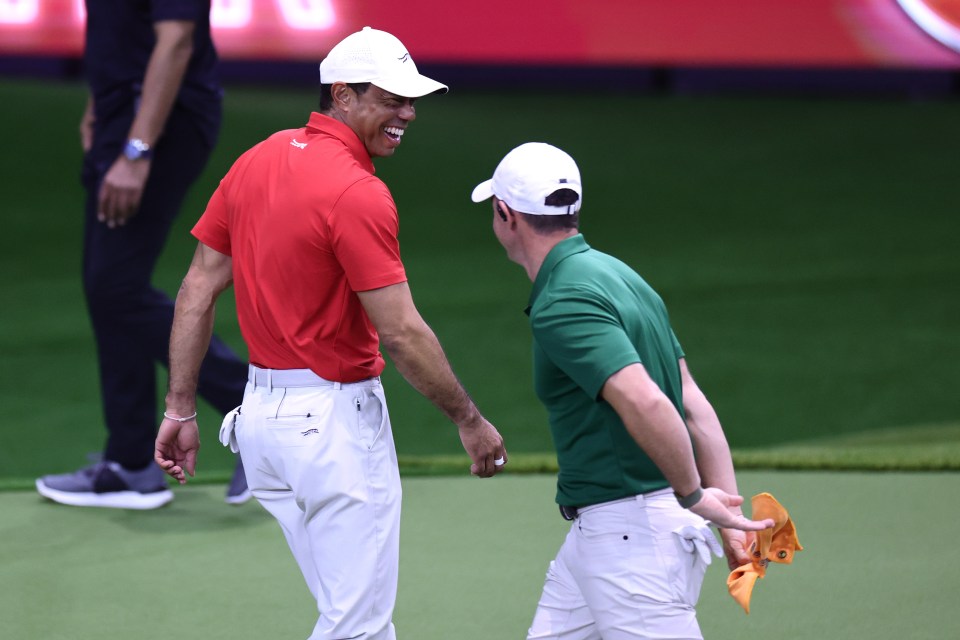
x: 296, y: 419
x: 292, y: 432
x: 371, y: 417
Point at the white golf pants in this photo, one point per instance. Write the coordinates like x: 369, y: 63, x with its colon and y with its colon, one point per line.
x: 319, y: 456
x: 628, y: 569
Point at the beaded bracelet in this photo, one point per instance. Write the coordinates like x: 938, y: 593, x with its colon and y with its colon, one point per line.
x: 187, y: 419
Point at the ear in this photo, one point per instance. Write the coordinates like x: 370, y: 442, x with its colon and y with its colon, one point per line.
x: 342, y: 95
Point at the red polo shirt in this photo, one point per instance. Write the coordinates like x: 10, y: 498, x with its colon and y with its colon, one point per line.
x: 307, y: 225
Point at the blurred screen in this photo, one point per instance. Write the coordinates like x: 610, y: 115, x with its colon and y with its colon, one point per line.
x: 809, y: 33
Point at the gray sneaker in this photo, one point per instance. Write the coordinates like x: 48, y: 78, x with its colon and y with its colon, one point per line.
x: 107, y: 484
x: 237, y: 490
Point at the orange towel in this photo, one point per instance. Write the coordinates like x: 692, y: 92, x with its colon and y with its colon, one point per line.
x: 771, y: 545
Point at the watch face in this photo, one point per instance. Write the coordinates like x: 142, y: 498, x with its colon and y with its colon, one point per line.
x: 136, y: 149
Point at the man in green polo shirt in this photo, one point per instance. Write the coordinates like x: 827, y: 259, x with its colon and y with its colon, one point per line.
x: 644, y: 464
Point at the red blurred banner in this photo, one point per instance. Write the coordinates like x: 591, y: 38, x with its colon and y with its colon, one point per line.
x: 808, y: 33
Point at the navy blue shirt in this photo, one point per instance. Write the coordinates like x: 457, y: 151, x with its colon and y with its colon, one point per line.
x: 119, y: 41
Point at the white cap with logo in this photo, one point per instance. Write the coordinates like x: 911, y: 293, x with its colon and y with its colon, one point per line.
x: 530, y: 173
x: 380, y: 58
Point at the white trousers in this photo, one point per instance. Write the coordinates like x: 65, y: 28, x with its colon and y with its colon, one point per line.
x: 628, y: 569
x: 321, y: 460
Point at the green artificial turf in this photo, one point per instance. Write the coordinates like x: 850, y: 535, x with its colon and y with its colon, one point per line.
x: 916, y: 448
x: 806, y: 249
x: 877, y: 564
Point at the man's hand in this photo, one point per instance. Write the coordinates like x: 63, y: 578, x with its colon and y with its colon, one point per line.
x: 716, y: 506
x: 736, y: 547
x: 483, y: 444
x: 176, y: 448
x: 121, y: 191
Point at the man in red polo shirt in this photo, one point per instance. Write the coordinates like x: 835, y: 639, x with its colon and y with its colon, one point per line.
x: 308, y: 237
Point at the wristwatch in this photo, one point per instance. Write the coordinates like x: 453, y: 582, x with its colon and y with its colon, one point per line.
x: 137, y: 149
x: 689, y: 500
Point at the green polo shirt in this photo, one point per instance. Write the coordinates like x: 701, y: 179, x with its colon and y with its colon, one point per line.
x: 591, y: 316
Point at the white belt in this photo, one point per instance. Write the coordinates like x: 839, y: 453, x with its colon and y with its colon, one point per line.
x: 271, y: 378
x: 636, y: 498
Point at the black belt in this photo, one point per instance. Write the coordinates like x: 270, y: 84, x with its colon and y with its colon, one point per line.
x: 568, y: 513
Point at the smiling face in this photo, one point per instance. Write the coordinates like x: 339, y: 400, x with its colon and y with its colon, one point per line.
x: 378, y: 117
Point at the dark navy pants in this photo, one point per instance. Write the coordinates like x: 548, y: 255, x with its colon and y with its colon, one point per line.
x: 132, y: 319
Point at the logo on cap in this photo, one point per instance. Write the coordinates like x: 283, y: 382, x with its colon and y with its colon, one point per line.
x: 404, y: 57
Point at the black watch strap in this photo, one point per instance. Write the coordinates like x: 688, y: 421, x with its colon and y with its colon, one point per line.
x: 689, y: 500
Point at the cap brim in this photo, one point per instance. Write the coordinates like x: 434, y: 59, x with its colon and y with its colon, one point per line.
x: 410, y: 86
x: 483, y: 191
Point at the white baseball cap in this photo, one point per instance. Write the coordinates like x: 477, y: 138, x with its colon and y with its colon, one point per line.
x: 530, y: 173
x: 380, y: 58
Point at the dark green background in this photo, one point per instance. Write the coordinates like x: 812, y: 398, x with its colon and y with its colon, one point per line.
x: 807, y: 250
